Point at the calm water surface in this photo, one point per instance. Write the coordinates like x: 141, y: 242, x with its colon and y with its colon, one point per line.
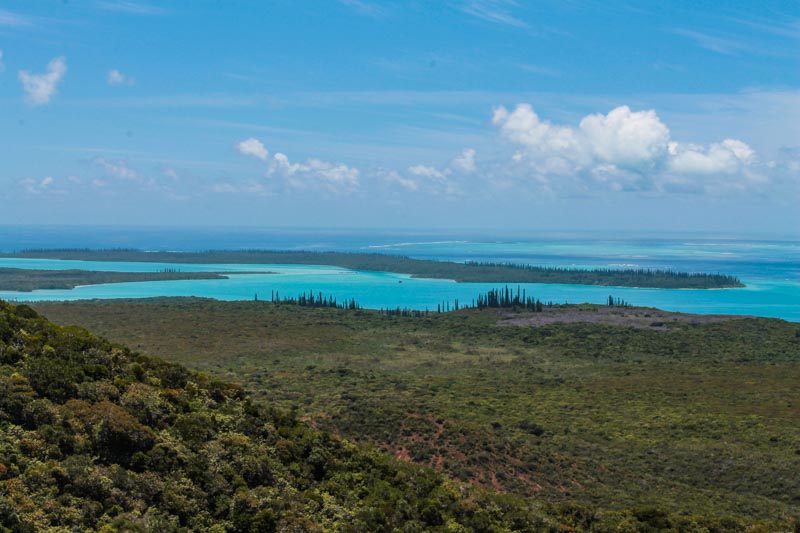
x: 771, y: 269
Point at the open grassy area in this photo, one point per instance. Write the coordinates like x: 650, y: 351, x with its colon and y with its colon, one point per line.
x: 420, y: 268
x: 690, y: 416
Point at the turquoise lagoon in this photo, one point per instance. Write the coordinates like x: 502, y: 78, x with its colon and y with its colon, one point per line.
x: 772, y: 287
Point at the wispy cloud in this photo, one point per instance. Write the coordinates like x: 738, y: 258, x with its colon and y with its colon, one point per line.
x: 433, y: 180
x: 721, y: 45
x: 251, y: 126
x: 235, y: 187
x: 177, y: 100
x: 134, y: 8
x: 7, y: 18
x: 32, y: 186
x: 495, y: 11
x: 119, y: 168
x: 788, y: 27
x: 362, y: 7
x: 538, y: 69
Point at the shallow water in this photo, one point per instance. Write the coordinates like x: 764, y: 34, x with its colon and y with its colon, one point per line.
x: 769, y: 268
x: 763, y: 297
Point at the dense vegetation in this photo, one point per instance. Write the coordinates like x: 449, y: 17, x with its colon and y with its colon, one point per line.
x: 312, y: 299
x: 625, y: 277
x: 421, y: 268
x: 493, y: 298
x: 19, y: 279
x: 94, y: 437
x: 680, y: 414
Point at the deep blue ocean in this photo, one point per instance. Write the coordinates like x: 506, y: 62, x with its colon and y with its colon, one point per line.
x: 769, y: 268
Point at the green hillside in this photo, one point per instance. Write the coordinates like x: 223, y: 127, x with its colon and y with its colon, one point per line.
x: 598, y: 409
x: 94, y: 437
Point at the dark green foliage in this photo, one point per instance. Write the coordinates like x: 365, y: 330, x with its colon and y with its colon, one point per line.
x: 694, y: 417
x: 626, y: 277
x: 616, y: 302
x: 506, y: 298
x: 420, y: 268
x: 314, y: 300
x: 19, y: 279
x: 149, y: 446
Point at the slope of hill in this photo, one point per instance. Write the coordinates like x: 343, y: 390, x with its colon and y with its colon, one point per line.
x: 690, y: 415
x: 94, y: 437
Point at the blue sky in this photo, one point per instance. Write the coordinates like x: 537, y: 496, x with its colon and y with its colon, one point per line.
x: 562, y: 115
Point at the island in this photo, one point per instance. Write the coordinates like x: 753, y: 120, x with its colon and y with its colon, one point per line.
x: 24, y: 280
x: 468, y: 272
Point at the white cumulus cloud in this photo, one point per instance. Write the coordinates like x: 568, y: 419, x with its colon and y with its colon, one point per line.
x: 621, y: 150
x: 252, y: 147
x: 523, y: 127
x: 394, y: 177
x: 728, y: 157
x: 40, y: 88
x: 627, y: 139
x: 424, y: 171
x: 433, y: 180
x: 33, y: 186
x: 315, y: 173
x: 118, y: 168
x: 465, y: 161
x: 311, y: 174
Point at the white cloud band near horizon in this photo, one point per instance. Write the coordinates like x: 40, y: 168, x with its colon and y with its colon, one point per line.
x: 622, y: 150
x: 313, y: 173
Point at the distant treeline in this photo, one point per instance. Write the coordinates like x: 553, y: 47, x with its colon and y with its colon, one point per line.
x: 419, y: 268
x: 502, y: 298
x: 507, y: 298
x: 639, y: 277
x: 313, y: 300
x: 23, y: 280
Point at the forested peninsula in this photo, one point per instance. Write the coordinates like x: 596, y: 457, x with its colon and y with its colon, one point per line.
x: 477, y: 272
x: 23, y: 280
